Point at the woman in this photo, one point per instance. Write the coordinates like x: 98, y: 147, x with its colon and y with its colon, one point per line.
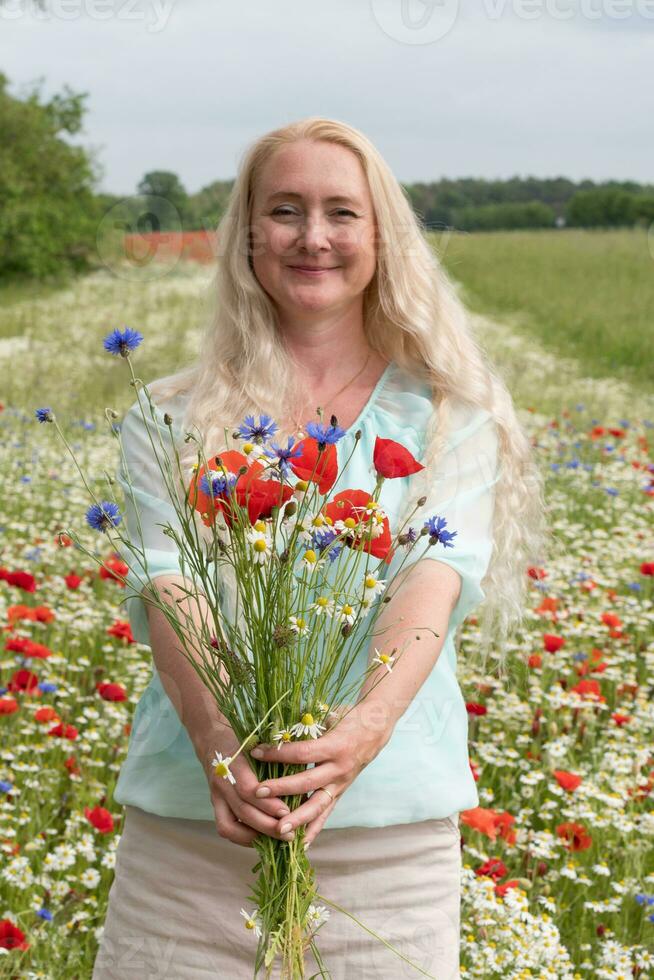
x: 327, y: 295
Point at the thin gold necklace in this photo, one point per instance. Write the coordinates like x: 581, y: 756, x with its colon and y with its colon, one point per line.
x: 332, y: 398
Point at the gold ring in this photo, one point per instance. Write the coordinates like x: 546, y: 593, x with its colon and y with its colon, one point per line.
x: 327, y: 792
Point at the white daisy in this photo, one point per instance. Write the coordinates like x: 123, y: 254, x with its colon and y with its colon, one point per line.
x: 310, y: 559
x: 260, y: 541
x: 283, y: 735
x: 307, y: 726
x: 221, y: 767
x: 298, y: 625
x: 372, y: 587
x: 252, y: 921
x: 347, y: 613
x: 385, y: 659
x: 323, y: 605
x: 317, y: 914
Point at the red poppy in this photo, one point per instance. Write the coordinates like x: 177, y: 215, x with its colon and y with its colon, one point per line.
x: 11, y: 937
x: 647, y: 568
x: 257, y: 495
x: 589, y: 690
x: 493, y: 868
x: 567, y: 780
x: 552, y: 643
x: 536, y: 573
x: 122, y: 630
x: 501, y: 890
x: 350, y: 506
x: 64, y: 540
x: 610, y: 619
x: 34, y: 614
x: 8, y: 706
x: 113, y: 568
x: 576, y: 835
x: 22, y: 580
x: 28, y: 648
x: 100, y: 818
x: 315, y: 466
x: 71, y: 765
x: 392, y: 460
x: 476, y: 709
x: 23, y: 680
x: 619, y: 719
x: 490, y: 823
x: 72, y: 580
x: 535, y: 660
x: 109, y: 691
x: 64, y: 731
x: 46, y: 713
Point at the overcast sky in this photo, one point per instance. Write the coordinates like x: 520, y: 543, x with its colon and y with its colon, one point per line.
x: 489, y: 88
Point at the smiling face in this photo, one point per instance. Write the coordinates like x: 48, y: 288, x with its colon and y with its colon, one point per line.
x: 313, y: 229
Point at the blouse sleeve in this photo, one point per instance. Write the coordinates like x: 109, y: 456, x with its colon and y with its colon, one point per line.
x: 463, y: 492
x: 147, y: 509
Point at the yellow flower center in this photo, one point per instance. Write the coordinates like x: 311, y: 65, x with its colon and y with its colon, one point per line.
x: 286, y: 736
x: 248, y: 448
x: 307, y: 719
x: 221, y: 769
x: 347, y: 609
x: 249, y: 923
x: 310, y: 556
x: 318, y: 520
x: 301, y: 485
x: 385, y: 659
x: 349, y: 522
x: 260, y: 545
x: 260, y: 525
x: 328, y: 520
x: 322, y: 601
x: 300, y: 623
x: 371, y: 582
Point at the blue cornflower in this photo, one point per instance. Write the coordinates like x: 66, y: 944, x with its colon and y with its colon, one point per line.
x: 634, y: 586
x: 283, y: 455
x: 411, y: 535
x: 5, y: 786
x: 612, y: 492
x: 44, y: 414
x: 437, y: 532
x: 572, y: 464
x: 45, y: 914
x: 645, y: 899
x: 250, y: 431
x: 122, y: 342
x: 103, y: 516
x: 218, y: 483
x: 324, y: 433
x: 47, y: 687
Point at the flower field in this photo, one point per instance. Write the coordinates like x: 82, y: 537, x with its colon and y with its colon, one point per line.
x: 558, y: 860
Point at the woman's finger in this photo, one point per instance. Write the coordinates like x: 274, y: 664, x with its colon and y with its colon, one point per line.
x: 245, y: 787
x: 306, y: 812
x: 300, y: 782
x: 314, y: 827
x: 228, y: 826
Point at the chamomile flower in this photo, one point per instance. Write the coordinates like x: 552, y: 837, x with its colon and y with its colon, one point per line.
x: 323, y: 606
x: 372, y: 587
x: 252, y: 921
x: 317, y: 914
x: 283, y: 735
x: 260, y: 541
x: 347, y: 613
x: 385, y: 659
x: 307, y: 726
x: 298, y: 625
x: 310, y: 559
x: 221, y: 767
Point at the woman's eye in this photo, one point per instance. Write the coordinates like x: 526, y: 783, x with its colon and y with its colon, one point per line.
x: 285, y: 211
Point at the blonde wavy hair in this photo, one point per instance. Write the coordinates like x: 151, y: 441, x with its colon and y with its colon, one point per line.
x: 412, y: 315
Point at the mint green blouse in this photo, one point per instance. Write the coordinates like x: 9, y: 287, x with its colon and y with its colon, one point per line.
x: 423, y: 771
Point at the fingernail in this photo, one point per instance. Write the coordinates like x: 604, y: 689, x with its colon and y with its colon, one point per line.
x: 289, y: 836
x: 263, y: 791
x: 257, y: 753
x: 284, y: 827
x: 283, y: 811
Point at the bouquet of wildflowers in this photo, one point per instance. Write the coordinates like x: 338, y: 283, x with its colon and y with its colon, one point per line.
x: 303, y: 567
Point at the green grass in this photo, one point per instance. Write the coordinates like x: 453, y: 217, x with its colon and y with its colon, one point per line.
x: 583, y: 294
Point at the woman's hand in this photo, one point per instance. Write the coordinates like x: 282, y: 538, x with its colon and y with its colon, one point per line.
x: 340, y: 755
x: 239, y: 815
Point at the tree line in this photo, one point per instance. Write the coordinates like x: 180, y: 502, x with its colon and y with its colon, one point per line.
x: 51, y: 209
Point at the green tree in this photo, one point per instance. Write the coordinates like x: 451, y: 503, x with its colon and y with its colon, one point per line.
x: 165, y: 199
x: 48, y: 212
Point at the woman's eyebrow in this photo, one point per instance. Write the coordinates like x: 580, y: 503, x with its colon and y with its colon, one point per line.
x: 335, y: 197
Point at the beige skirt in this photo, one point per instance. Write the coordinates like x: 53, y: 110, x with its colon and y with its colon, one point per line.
x: 174, y: 905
